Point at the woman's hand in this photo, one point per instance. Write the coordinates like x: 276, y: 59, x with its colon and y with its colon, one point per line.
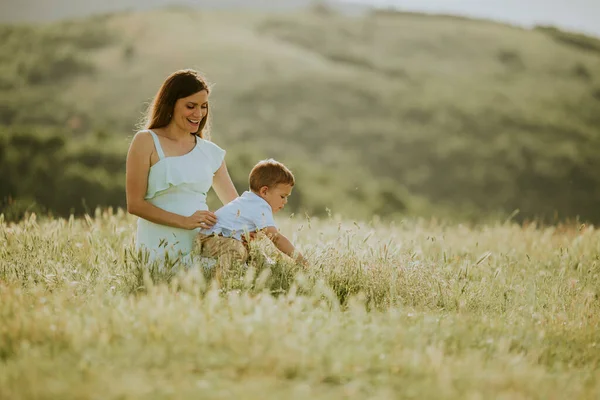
x: 200, y: 219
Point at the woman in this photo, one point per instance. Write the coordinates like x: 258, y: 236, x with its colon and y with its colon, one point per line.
x: 171, y: 166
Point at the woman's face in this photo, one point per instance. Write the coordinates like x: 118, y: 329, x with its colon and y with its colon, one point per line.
x: 189, y: 111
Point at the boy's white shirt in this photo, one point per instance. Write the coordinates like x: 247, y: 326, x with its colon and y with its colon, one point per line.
x: 247, y: 213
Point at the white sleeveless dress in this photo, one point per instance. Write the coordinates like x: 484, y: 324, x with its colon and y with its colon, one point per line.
x: 179, y: 185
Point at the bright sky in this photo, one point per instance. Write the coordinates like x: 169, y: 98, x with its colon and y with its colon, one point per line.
x: 576, y: 15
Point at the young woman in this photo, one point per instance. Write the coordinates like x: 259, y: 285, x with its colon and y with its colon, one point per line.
x: 171, y: 165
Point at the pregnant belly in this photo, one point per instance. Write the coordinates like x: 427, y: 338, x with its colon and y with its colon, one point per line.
x: 180, y: 203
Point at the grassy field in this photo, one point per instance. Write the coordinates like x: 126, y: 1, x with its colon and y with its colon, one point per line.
x: 412, y: 309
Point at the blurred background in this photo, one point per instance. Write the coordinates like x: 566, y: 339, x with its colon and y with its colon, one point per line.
x: 458, y: 109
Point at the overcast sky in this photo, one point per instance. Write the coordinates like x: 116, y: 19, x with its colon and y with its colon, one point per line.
x: 579, y: 15
x: 576, y: 15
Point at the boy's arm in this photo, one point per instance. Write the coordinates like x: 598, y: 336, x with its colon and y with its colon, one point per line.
x: 284, y: 245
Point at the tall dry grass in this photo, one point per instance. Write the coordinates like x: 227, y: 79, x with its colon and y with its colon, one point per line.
x: 416, y: 308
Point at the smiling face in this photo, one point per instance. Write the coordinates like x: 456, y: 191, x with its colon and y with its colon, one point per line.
x: 276, y: 195
x: 189, y: 112
x: 181, y: 103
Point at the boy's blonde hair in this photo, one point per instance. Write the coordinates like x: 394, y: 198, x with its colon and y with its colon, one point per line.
x: 270, y: 173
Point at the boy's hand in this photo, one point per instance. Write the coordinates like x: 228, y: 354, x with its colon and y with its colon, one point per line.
x: 302, y: 261
x: 284, y: 245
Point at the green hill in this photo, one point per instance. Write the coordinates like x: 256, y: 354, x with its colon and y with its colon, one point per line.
x: 382, y: 113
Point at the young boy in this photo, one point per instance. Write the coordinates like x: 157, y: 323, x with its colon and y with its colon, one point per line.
x: 271, y: 183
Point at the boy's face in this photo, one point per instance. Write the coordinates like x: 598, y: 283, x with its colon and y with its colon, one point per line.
x: 276, y: 195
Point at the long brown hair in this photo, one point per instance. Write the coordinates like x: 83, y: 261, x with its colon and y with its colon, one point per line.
x: 179, y: 84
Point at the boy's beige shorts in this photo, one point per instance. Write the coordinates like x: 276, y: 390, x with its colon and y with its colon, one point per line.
x: 215, y: 246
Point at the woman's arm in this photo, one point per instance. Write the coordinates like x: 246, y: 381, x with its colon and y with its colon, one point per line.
x: 223, y: 185
x: 136, y: 185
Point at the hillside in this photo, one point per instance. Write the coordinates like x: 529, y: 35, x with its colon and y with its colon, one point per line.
x: 44, y: 10
x: 470, y: 116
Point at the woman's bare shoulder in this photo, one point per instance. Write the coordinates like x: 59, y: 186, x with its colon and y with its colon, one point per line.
x: 142, y: 143
x: 142, y: 139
